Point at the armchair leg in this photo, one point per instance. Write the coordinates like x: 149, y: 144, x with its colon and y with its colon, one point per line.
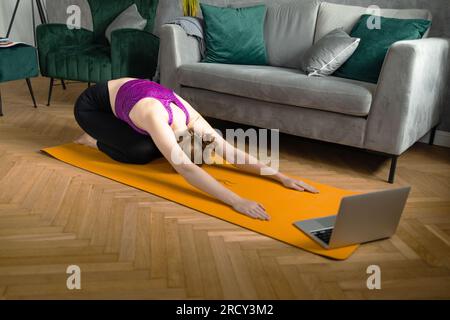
x: 392, y: 169
x: 30, y: 88
x: 1, y: 105
x: 432, y: 136
x: 63, y: 84
x: 50, y: 90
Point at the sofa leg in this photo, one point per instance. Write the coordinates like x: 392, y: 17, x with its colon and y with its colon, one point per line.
x: 432, y: 136
x: 50, y: 90
x: 30, y: 88
x: 1, y: 105
x: 63, y: 83
x: 393, y: 168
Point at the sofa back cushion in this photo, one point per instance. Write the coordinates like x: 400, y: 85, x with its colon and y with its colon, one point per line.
x: 289, y: 27
x: 332, y: 16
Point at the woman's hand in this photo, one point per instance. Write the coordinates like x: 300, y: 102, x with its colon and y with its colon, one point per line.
x: 297, y: 185
x: 252, y: 209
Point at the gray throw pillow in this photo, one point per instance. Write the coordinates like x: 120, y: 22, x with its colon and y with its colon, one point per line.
x: 128, y: 19
x: 329, y: 53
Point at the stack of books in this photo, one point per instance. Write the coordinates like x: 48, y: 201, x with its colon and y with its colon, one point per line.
x: 6, y: 43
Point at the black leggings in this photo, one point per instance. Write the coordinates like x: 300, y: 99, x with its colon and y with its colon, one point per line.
x: 114, y: 137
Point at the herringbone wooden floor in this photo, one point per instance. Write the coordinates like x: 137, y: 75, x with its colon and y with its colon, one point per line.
x: 131, y: 244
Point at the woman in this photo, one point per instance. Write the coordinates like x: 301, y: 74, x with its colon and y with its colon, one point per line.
x: 136, y: 121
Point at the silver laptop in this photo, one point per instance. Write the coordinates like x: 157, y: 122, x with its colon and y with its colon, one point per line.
x: 361, y: 218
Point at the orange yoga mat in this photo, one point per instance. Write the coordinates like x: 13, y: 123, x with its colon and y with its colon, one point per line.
x: 284, y: 205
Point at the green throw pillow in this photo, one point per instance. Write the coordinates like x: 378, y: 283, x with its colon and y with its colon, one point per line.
x: 365, y: 64
x: 235, y: 35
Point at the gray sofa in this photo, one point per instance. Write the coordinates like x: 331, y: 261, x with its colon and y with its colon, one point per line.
x: 387, y: 117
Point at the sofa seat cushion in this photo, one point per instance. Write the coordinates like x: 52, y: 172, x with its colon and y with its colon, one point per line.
x: 280, y: 85
x: 90, y: 62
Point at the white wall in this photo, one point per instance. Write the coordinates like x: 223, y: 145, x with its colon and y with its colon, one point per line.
x: 22, y: 30
x: 23, y: 27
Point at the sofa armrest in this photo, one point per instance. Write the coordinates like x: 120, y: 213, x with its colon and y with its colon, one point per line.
x: 177, y: 48
x: 51, y: 36
x: 409, y: 94
x: 134, y: 53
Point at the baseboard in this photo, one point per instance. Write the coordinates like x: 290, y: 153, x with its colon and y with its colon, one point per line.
x: 442, y: 138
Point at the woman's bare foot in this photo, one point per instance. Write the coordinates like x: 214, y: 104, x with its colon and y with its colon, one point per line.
x: 86, y: 140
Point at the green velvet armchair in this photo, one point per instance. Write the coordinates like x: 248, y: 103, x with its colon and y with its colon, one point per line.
x: 87, y: 56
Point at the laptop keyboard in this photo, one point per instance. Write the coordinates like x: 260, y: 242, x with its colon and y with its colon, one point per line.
x: 324, y: 234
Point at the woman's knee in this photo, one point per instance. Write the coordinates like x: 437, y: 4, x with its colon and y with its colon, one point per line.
x: 142, y: 153
x: 90, y: 100
x: 81, y: 109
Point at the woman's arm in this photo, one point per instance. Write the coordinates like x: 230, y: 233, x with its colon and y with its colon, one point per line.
x: 166, y: 142
x: 254, y: 166
x: 247, y: 162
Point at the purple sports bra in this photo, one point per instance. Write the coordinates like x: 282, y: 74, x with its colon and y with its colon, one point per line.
x: 133, y: 91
